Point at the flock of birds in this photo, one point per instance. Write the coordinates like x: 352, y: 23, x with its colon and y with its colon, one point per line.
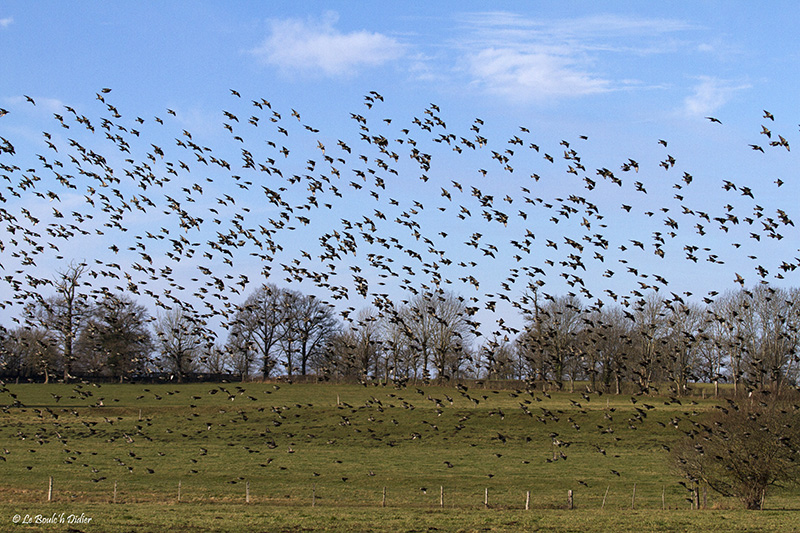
x: 258, y: 429
x: 374, y: 218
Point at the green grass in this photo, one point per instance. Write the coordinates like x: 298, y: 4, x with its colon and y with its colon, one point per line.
x: 341, y: 445
x: 232, y: 517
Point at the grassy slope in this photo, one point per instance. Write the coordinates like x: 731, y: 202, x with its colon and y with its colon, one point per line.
x: 291, y: 441
x: 235, y: 518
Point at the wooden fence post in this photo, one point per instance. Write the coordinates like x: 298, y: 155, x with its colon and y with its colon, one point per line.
x: 383, y: 501
x: 115, y: 492
x: 486, y: 497
x: 527, y: 500
x: 247, y: 492
x: 50, y: 490
x: 663, y: 499
x: 569, y: 499
x: 633, y: 497
x: 604, y: 497
x: 705, y: 495
x: 179, y: 492
x: 441, y: 496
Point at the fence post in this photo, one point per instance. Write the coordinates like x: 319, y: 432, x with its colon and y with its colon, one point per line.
x: 383, y: 501
x: 115, y: 492
x: 441, y: 496
x: 604, y: 497
x: 314, y: 495
x: 633, y: 497
x: 486, y: 497
x: 247, y: 492
x: 569, y: 499
x: 50, y: 490
x: 527, y: 500
x: 179, y: 492
x: 663, y: 500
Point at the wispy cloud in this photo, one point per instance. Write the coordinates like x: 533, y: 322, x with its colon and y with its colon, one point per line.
x: 709, y: 95
x: 310, y: 47
x: 6, y: 22
x: 525, y: 75
x: 41, y: 103
x: 526, y: 58
x: 599, y: 32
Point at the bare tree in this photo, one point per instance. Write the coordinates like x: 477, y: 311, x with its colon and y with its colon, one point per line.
x: 711, y: 361
x: 335, y: 360
x: 758, y: 332
x: 776, y: 317
x: 63, y: 314
x: 116, y: 339
x: 450, y: 333
x: 744, y: 448
x: 240, y: 353
x: 607, y: 335
x: 732, y: 333
x: 550, y: 337
x: 648, y: 334
x: 420, y: 330
x: 27, y: 352
x: 309, y: 325
x: 498, y: 359
x: 217, y: 361
x: 401, y: 361
x: 9, y: 363
x: 180, y: 339
x: 438, y: 326
x: 258, y: 325
x: 366, y: 342
x: 684, y: 322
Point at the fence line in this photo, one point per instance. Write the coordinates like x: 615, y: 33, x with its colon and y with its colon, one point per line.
x: 460, y: 497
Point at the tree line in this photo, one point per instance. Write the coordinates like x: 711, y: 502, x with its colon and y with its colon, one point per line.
x: 747, y: 337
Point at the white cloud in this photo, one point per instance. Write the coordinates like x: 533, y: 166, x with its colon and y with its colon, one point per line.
x: 318, y: 47
x: 709, y: 95
x: 591, y: 32
x: 49, y: 105
x: 422, y: 67
x: 532, y: 75
x: 6, y: 22
x: 526, y: 58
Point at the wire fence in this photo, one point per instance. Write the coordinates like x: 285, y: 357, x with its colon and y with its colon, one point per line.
x: 618, y: 496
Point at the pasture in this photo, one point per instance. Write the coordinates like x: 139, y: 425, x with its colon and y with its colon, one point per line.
x: 347, y: 457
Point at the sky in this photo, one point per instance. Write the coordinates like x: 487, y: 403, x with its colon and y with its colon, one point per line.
x: 607, y: 80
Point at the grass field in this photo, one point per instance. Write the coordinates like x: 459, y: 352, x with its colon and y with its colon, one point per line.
x: 320, y: 456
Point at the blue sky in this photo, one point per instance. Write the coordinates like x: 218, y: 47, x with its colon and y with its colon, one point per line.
x: 528, y: 58
x: 624, y: 75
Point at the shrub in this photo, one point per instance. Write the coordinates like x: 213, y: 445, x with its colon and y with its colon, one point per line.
x: 741, y: 449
